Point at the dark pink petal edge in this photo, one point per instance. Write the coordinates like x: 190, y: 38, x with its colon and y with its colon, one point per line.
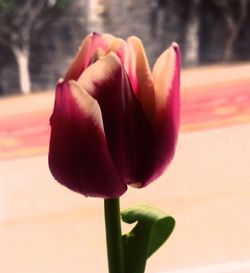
x: 78, y: 154
x: 167, y: 130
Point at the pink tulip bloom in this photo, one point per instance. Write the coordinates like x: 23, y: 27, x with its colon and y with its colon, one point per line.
x: 114, y: 122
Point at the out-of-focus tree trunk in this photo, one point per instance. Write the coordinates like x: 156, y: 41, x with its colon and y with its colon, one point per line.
x: 231, y: 38
x: 22, y: 58
x: 234, y: 26
x: 18, y: 21
x: 192, y: 35
x: 96, y: 9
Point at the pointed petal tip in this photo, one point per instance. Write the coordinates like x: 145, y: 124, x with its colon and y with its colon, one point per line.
x: 177, y: 50
x: 60, y: 81
x: 135, y: 41
x: 173, y: 49
x: 133, y: 37
x: 175, y: 45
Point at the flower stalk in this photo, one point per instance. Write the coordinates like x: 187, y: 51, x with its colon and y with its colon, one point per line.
x: 113, y: 235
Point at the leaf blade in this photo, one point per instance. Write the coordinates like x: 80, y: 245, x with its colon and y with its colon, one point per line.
x: 153, y: 228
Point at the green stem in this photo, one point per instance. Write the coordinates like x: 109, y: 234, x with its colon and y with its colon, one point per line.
x: 113, y: 235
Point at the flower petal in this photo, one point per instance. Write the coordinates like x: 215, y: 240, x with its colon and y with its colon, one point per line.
x: 128, y: 132
x: 140, y: 74
x: 120, y: 47
x: 78, y: 154
x: 166, y: 75
x: 91, y: 45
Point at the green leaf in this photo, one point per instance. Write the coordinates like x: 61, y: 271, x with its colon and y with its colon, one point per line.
x: 152, y: 229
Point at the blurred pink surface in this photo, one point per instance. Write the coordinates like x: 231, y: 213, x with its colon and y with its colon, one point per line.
x: 220, y: 102
x: 46, y: 228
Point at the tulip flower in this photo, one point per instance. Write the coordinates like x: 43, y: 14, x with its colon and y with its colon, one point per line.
x: 114, y: 122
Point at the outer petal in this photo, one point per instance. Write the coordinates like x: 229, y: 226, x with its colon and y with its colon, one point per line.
x: 129, y: 134
x: 140, y: 75
x: 78, y: 154
x: 166, y: 75
x: 91, y: 45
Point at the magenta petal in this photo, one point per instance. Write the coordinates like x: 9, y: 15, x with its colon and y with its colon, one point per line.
x: 92, y: 45
x: 168, y: 116
x: 129, y: 135
x: 78, y: 154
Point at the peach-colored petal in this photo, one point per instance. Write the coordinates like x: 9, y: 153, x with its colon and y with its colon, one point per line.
x: 120, y: 47
x: 101, y: 71
x: 78, y: 154
x: 166, y: 76
x: 91, y: 46
x: 139, y: 69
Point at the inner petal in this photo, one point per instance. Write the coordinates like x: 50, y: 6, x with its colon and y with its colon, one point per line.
x: 92, y: 45
x: 128, y: 132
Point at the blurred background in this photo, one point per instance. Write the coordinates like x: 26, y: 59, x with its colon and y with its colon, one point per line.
x: 39, y: 38
x: 46, y: 228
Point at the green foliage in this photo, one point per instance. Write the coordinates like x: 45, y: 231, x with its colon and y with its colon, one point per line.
x: 5, y: 6
x: 152, y: 229
x: 61, y: 4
